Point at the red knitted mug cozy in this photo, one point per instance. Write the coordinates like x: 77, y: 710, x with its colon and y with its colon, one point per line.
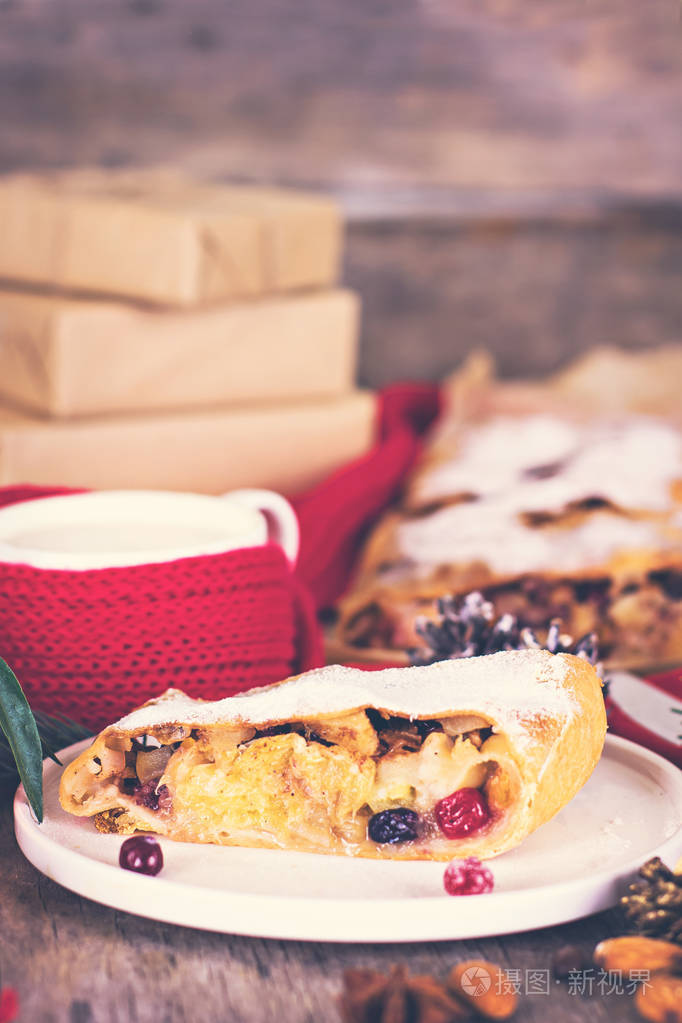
x: 93, y: 644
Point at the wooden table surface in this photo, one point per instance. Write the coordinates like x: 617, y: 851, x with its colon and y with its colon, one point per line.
x: 74, y: 961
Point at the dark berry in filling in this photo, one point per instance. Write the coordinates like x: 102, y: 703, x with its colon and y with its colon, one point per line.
x: 591, y: 589
x: 462, y: 813
x: 147, y: 795
x: 142, y: 854
x: 669, y: 581
x: 392, y: 826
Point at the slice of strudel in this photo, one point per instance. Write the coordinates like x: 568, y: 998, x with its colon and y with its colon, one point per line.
x: 456, y: 758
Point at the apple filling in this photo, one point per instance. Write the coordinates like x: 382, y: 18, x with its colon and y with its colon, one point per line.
x: 361, y: 783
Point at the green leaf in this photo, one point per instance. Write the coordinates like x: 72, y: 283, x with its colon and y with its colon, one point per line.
x: 19, y: 725
x: 55, y: 733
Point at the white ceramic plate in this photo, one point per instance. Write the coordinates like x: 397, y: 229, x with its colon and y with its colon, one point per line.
x: 630, y: 809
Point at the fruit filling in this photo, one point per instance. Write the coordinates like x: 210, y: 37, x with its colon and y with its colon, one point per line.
x: 462, y: 813
x: 362, y: 781
x: 392, y: 826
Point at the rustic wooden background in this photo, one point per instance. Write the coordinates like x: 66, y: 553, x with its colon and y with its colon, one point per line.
x: 512, y: 169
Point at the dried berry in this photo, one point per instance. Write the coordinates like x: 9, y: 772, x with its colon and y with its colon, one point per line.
x: 142, y: 854
x: 393, y: 826
x: 468, y: 877
x: 145, y: 795
x: 462, y: 813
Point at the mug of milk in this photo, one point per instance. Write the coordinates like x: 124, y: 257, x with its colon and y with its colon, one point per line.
x: 116, y: 528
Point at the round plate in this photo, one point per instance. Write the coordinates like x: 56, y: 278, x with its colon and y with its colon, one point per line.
x: 630, y: 809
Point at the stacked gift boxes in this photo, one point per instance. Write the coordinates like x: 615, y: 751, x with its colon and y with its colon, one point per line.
x: 162, y: 333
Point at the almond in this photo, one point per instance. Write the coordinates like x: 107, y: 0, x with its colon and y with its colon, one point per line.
x: 635, y: 952
x: 660, y: 999
x: 483, y: 986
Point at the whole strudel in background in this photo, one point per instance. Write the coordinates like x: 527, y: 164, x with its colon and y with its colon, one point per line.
x: 560, y: 498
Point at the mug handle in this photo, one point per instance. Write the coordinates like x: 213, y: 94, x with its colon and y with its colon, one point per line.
x: 280, y: 517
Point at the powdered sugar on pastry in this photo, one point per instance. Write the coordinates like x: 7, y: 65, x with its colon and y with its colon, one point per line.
x: 511, y: 688
x: 545, y: 463
x: 516, y: 466
x: 486, y: 532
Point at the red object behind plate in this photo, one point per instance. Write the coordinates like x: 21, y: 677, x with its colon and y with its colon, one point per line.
x: 336, y: 515
x: 633, y: 722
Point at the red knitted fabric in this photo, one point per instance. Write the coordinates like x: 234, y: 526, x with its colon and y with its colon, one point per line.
x: 93, y: 644
x: 336, y: 515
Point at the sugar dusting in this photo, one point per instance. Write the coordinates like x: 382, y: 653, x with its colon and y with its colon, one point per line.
x: 464, y: 533
x: 546, y: 464
x: 511, y: 689
x: 630, y: 463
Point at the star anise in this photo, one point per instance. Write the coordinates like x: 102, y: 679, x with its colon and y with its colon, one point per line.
x: 372, y: 997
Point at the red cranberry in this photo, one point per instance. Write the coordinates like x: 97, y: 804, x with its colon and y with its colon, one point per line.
x: 462, y: 813
x: 467, y: 877
x: 392, y: 826
x: 141, y: 853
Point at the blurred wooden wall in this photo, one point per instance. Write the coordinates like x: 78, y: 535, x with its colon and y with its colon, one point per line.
x: 512, y: 169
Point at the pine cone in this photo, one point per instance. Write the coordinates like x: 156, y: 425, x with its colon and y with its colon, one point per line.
x: 653, y: 905
x: 468, y: 628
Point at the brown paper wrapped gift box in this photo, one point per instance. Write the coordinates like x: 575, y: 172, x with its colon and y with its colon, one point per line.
x: 287, y: 447
x: 158, y: 237
x: 66, y: 357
